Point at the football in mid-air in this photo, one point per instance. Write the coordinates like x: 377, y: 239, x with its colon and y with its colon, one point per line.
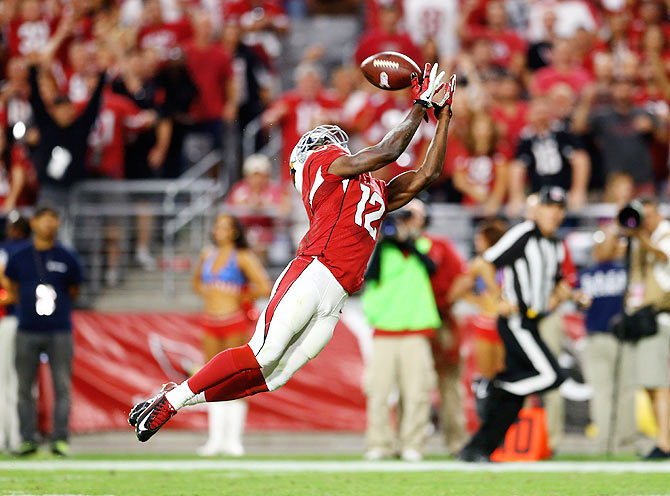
x: 389, y: 70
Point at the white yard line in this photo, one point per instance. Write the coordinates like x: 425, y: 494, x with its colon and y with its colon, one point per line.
x: 335, y: 466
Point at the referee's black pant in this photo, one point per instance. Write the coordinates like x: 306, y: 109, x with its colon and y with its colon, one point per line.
x: 529, y: 368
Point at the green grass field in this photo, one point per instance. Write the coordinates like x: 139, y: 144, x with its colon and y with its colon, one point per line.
x: 306, y: 475
x: 341, y: 484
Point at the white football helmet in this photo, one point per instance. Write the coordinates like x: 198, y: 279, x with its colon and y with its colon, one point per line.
x: 317, y: 137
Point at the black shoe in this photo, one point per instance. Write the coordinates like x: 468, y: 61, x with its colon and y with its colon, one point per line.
x: 154, y: 417
x: 473, y: 455
x: 27, y: 448
x: 143, y: 405
x: 657, y: 454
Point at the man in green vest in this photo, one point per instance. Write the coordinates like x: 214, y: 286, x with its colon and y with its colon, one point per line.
x: 399, y: 304
x: 650, y: 285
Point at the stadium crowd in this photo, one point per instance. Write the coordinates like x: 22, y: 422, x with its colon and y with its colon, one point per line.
x: 569, y: 93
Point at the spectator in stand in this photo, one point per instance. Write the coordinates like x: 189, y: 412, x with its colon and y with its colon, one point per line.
x: 399, y: 304
x: 169, y: 90
x: 605, y: 283
x: 509, y: 48
x: 106, y: 160
x: 481, y: 174
x: 548, y: 155
x: 61, y: 154
x: 299, y: 110
x: 508, y: 111
x: 252, y: 75
x: 649, y: 13
x: 210, y: 67
x: 18, y: 231
x: 622, y: 132
x: 43, y: 279
x: 159, y: 34
x: 564, y: 68
x: 259, y: 203
x: 263, y: 22
x: 618, y: 27
x: 539, y: 51
x: 29, y: 28
x: 388, y: 36
x: 570, y: 16
x: 14, y: 96
x: 437, y: 21
x: 18, y: 181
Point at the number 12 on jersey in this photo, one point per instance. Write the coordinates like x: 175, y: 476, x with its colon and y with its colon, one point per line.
x: 367, y: 219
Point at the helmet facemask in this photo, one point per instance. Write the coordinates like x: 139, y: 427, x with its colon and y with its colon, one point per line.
x: 310, y: 141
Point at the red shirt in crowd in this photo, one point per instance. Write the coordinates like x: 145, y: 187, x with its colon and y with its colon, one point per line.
x: 106, y: 142
x: 380, y: 41
x: 259, y: 225
x: 504, y: 43
x: 301, y: 115
x: 510, y: 126
x: 449, y: 264
x: 164, y: 37
x: 244, y: 11
x: 241, y: 194
x: 211, y: 70
x: 19, y: 160
x: 25, y: 37
x: 480, y: 170
x: 547, y: 77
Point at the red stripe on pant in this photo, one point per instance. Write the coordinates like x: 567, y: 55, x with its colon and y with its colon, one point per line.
x: 296, y: 268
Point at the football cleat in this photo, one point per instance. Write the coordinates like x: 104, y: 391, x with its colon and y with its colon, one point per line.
x: 143, y: 405
x: 154, y: 417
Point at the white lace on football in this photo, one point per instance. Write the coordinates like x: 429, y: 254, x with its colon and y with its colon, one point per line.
x: 386, y: 64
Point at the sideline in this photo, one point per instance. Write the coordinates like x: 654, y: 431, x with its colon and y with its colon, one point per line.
x: 336, y: 466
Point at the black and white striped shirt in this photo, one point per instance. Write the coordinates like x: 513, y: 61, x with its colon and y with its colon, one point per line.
x: 531, y: 267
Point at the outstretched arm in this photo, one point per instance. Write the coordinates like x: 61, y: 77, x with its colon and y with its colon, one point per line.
x: 406, y: 186
x: 396, y: 141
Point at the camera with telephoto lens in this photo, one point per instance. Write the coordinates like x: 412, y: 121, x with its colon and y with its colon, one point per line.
x: 389, y: 226
x: 631, y: 216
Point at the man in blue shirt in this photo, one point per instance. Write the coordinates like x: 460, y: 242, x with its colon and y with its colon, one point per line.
x: 605, y: 283
x: 18, y: 231
x: 43, y: 279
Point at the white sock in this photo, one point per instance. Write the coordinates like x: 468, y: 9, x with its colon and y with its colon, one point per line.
x: 196, y: 400
x: 179, y: 395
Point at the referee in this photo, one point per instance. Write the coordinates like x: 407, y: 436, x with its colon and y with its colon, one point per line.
x: 530, y: 258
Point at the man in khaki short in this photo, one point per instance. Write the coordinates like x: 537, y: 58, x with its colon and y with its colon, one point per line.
x: 650, y: 285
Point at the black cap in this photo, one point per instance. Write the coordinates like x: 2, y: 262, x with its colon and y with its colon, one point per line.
x: 552, y: 195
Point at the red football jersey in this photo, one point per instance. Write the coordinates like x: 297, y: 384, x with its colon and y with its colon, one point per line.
x: 164, y: 37
x: 344, y: 217
x: 106, y: 142
x: 26, y: 37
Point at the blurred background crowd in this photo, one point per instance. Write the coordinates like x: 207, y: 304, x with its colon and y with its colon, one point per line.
x: 566, y: 92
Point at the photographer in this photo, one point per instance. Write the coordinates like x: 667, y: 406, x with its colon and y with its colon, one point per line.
x: 649, y: 296
x: 609, y: 364
x: 400, y: 305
